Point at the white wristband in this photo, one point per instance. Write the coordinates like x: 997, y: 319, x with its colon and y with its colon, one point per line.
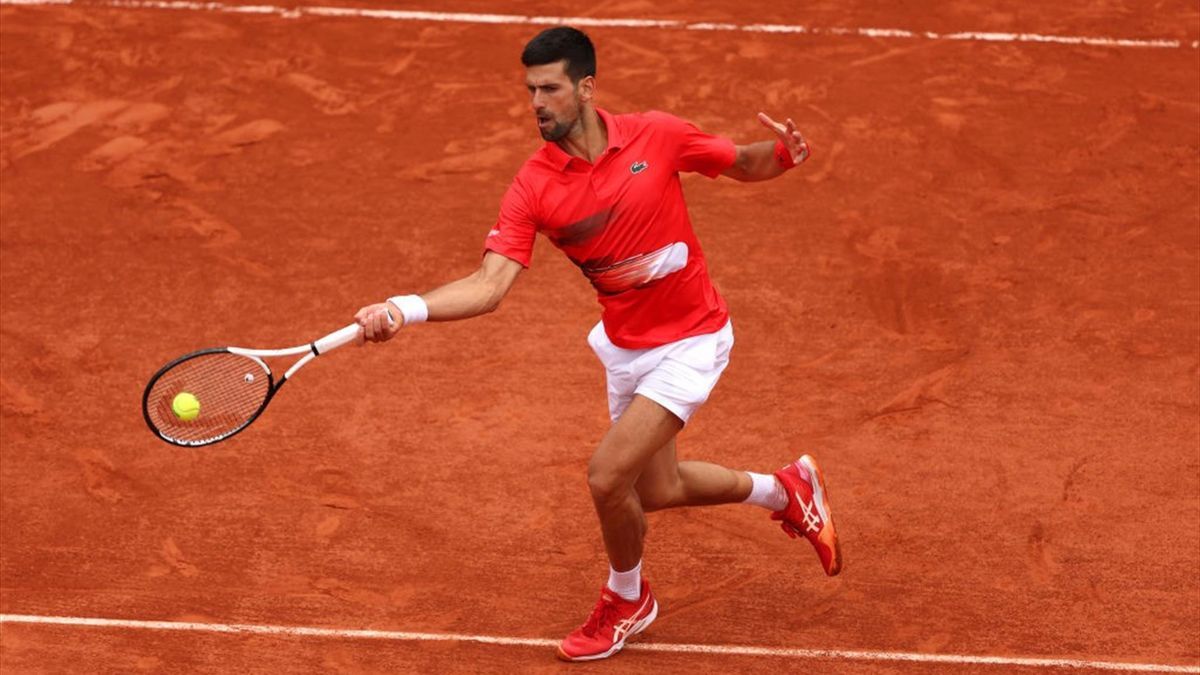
x: 412, y: 308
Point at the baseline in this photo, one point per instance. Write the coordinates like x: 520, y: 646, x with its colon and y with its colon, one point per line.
x: 464, y: 17
x: 721, y: 650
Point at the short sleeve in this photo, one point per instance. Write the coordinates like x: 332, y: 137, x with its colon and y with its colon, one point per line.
x: 695, y: 150
x: 515, y: 228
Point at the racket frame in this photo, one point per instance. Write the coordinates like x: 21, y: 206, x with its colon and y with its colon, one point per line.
x: 312, y: 350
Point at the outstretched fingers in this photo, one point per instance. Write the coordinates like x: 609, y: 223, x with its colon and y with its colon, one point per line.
x: 793, y: 141
x: 771, y: 124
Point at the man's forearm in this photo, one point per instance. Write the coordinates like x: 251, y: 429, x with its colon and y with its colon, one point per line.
x: 755, y: 162
x: 462, y: 299
x: 475, y: 294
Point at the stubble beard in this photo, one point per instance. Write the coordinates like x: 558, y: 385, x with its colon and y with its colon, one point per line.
x: 555, y: 133
x: 561, y: 128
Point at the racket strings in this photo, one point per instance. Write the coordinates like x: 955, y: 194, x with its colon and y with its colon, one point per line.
x: 230, y: 388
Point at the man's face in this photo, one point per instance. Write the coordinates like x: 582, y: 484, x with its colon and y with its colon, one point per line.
x: 555, y: 100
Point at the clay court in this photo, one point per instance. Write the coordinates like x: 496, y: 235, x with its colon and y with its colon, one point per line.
x: 978, y: 305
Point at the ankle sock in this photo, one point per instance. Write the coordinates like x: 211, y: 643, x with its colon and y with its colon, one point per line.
x: 766, y: 492
x: 626, y: 584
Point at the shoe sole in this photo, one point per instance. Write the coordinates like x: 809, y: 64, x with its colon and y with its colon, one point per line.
x: 828, y: 534
x: 637, y: 628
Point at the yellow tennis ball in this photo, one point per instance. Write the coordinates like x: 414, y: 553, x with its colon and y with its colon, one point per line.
x: 186, y: 406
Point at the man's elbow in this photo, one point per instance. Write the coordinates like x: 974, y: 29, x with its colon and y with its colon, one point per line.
x: 737, y: 170
x: 491, y: 295
x: 740, y: 170
x: 491, y: 304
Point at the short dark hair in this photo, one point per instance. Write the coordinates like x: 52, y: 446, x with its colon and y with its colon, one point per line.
x: 559, y: 44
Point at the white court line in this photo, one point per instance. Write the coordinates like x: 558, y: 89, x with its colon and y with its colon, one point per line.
x: 462, y: 17
x: 720, y: 650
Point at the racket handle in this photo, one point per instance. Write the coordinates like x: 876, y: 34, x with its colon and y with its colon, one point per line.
x: 338, y: 338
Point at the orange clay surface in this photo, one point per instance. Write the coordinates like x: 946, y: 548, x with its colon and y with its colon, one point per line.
x: 977, y: 305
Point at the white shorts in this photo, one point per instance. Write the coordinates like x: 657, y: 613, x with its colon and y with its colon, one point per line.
x: 679, y: 375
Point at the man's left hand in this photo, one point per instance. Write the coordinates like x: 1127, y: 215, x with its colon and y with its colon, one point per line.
x: 795, y: 144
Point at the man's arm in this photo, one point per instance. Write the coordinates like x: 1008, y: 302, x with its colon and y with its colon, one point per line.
x: 767, y: 159
x: 475, y: 294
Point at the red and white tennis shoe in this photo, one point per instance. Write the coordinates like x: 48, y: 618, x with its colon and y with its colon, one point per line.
x: 807, y: 513
x: 613, y: 621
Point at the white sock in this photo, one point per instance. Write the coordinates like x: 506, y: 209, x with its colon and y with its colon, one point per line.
x: 626, y: 584
x: 767, y: 492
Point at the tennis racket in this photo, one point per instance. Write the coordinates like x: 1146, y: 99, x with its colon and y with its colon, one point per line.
x: 233, y: 386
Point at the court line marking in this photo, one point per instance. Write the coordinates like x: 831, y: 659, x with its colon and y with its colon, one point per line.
x: 720, y: 650
x: 510, y: 19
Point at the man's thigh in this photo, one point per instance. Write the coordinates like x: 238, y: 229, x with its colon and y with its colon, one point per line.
x: 634, y: 444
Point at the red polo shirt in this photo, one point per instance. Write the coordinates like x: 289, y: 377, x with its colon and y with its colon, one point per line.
x: 623, y: 221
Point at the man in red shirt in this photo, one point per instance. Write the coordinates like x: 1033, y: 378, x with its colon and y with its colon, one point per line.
x: 605, y: 190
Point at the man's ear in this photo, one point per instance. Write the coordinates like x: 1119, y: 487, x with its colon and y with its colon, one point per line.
x: 587, y: 88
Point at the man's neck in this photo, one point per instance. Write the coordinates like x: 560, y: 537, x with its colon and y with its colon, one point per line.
x: 588, y: 139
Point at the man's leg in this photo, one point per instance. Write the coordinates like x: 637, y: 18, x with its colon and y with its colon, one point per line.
x: 667, y: 483
x: 635, y: 470
x: 630, y: 444
x: 796, y: 495
x: 626, y: 604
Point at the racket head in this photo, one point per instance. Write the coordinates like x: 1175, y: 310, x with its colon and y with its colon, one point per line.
x: 233, y: 390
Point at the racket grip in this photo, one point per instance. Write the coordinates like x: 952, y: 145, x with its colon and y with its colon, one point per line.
x: 338, y: 338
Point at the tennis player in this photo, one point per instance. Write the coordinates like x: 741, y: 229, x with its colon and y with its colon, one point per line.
x: 605, y: 190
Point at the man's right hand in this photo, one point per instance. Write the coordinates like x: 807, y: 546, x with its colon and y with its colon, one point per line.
x: 380, y: 322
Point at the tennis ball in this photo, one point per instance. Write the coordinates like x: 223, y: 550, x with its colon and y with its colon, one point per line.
x: 186, y: 406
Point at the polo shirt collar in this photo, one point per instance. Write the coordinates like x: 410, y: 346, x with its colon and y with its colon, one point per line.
x: 616, y: 141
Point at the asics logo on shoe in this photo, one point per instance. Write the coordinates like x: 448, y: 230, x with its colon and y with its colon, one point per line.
x: 624, y: 626
x: 812, y: 522
x: 638, y: 167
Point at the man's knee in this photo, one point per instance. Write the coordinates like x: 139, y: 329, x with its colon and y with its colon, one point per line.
x: 608, y: 484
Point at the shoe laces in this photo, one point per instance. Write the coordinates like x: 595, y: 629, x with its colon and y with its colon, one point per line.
x: 601, y: 616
